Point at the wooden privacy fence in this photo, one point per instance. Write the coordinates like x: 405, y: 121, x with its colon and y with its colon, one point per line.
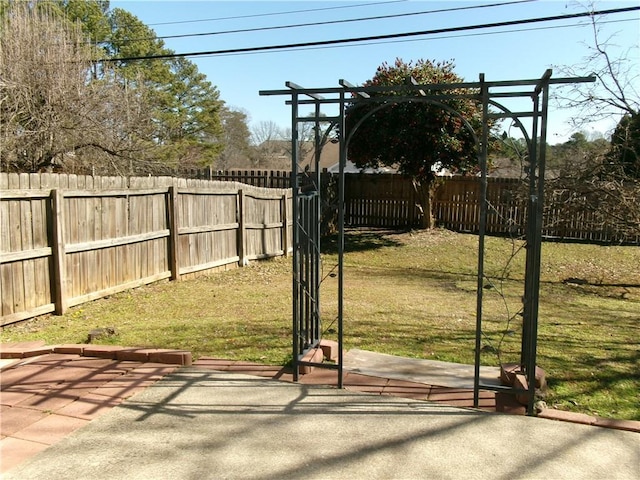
x: 66, y: 239
x: 456, y: 207
x: 390, y: 201
x: 380, y: 200
x: 257, y: 178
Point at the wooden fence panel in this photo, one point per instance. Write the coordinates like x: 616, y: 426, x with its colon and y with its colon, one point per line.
x: 380, y: 200
x: 207, y: 229
x: 390, y: 201
x: 256, y: 178
x: 108, y: 235
x: 40, y: 213
x: 456, y: 207
x: 24, y: 250
x: 67, y: 239
x: 27, y: 243
x: 9, y: 245
x: 263, y: 223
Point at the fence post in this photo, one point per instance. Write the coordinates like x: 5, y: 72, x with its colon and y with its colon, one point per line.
x: 58, y: 251
x: 241, y: 228
x: 174, y: 244
x: 285, y: 224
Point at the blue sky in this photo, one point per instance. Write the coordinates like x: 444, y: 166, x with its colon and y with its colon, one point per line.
x: 511, y: 53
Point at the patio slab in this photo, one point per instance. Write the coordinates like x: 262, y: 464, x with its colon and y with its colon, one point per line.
x: 197, y: 423
x: 429, y: 372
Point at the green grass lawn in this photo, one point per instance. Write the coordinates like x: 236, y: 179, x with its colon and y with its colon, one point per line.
x: 410, y: 294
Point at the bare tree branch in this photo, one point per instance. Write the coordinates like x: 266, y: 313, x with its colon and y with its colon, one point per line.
x: 54, y: 113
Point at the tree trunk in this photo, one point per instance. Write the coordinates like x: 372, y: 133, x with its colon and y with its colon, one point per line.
x: 424, y: 190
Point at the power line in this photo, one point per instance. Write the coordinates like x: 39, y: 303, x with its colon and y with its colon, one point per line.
x: 328, y: 22
x: 518, y: 30
x: 464, y: 35
x: 273, y: 14
x: 268, y: 48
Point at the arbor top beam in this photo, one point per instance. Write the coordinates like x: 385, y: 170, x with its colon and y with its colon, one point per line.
x: 366, y: 92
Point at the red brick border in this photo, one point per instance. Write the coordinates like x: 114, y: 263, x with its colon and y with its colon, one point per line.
x: 112, y: 352
x: 584, y: 419
x: 184, y: 358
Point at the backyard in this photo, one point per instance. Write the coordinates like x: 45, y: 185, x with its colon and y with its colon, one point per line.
x: 406, y: 293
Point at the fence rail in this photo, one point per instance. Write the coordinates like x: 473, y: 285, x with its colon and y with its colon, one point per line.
x: 66, y: 240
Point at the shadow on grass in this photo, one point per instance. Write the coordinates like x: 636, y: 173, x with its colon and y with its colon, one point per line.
x: 360, y: 241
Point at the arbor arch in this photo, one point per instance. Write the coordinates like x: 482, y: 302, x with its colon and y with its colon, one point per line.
x: 436, y: 103
x: 307, y: 201
x: 427, y: 219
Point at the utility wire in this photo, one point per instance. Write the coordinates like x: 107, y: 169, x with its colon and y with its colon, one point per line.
x: 444, y: 37
x: 328, y: 22
x: 465, y: 28
x: 273, y: 14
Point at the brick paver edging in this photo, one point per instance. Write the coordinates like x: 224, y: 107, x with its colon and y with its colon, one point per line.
x: 155, y: 355
x: 184, y: 358
x: 583, y: 418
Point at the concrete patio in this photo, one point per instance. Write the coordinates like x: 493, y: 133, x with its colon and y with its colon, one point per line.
x: 72, y: 416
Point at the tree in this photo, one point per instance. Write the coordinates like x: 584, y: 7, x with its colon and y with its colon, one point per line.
x: 184, y: 105
x: 269, y: 145
x: 417, y: 137
x: 52, y: 115
x: 119, y: 117
x: 189, y: 119
x: 607, y: 184
x: 265, y: 131
x: 236, y: 137
x: 307, y: 141
x: 614, y: 95
x: 576, y: 154
x: 91, y: 16
x: 624, y: 154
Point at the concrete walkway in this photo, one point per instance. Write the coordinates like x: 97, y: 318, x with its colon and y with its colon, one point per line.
x: 427, y: 372
x: 197, y: 423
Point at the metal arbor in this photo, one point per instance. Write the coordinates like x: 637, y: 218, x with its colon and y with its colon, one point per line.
x: 307, y: 198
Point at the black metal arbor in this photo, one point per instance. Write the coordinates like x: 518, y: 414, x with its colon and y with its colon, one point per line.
x: 307, y: 198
